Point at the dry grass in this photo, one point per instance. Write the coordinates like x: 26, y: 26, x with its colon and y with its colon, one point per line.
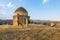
x: 33, y: 32
x: 30, y: 34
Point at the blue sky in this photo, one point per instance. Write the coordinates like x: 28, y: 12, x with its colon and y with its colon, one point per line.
x: 37, y: 9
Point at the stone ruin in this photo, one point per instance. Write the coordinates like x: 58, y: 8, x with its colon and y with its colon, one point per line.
x: 20, y: 17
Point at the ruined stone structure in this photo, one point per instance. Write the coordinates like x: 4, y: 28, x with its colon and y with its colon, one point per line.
x: 52, y: 23
x: 20, y: 18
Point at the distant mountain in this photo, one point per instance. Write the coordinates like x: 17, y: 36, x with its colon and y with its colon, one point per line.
x: 6, y: 21
x: 39, y: 21
x: 32, y: 21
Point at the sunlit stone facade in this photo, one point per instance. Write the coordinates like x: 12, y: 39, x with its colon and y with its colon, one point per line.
x: 20, y: 17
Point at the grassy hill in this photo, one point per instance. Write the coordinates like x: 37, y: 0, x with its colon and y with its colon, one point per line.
x: 30, y: 34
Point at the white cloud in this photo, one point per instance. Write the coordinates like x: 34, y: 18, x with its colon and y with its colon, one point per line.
x: 45, y: 1
x: 9, y: 5
x: 2, y: 6
x: 5, y: 15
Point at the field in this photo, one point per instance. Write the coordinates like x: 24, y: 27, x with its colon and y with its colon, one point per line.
x: 49, y: 33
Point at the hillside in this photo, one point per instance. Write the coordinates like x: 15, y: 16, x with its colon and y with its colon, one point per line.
x: 32, y: 21
x: 30, y: 34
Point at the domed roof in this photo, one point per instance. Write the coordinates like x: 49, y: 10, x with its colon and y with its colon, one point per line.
x: 21, y: 11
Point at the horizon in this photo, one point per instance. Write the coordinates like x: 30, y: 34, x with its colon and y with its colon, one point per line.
x: 37, y: 9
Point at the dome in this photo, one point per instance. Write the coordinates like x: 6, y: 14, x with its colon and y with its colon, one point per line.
x: 21, y: 11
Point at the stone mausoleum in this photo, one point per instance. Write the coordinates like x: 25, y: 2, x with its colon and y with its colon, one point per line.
x: 20, y: 18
